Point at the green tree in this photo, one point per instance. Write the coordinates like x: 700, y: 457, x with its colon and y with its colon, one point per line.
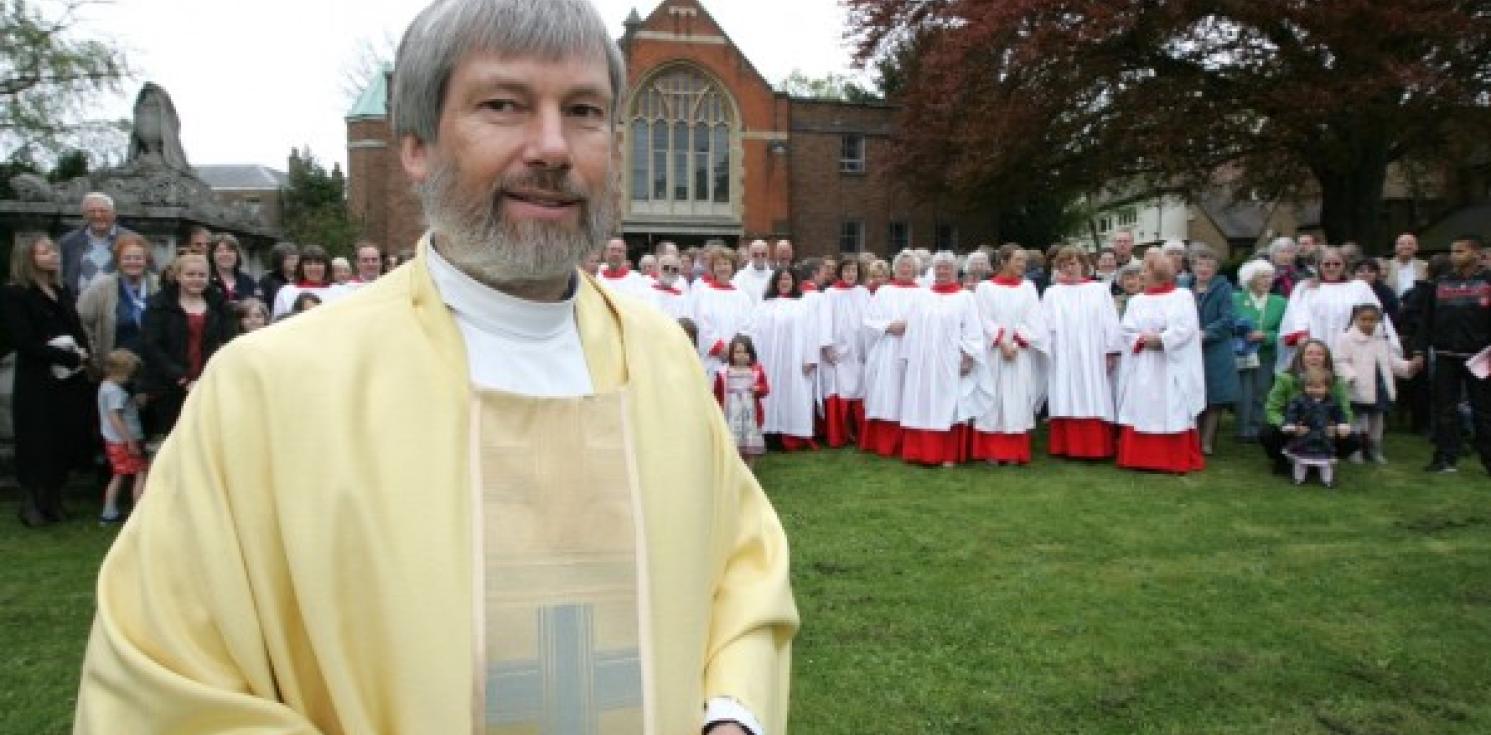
x: 49, y: 78
x: 831, y: 87
x: 315, y: 205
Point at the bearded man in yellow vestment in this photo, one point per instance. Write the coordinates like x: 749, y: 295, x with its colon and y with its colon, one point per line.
x: 454, y: 501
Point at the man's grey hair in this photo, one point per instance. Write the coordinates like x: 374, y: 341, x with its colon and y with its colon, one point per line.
x: 978, y: 256
x: 945, y: 256
x: 97, y: 196
x: 446, y: 31
x: 1279, y: 244
x: 903, y: 256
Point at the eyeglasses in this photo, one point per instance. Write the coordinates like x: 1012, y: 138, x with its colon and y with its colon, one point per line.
x: 1334, y: 263
x: 670, y: 269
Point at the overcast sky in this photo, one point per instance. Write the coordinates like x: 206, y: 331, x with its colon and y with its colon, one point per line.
x: 251, y: 79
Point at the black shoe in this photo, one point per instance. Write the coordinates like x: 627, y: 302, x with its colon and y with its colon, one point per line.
x: 1441, y: 467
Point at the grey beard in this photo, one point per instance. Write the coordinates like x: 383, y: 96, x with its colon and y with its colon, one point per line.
x: 478, y: 241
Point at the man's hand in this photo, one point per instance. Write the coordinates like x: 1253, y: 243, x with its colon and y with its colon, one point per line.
x: 728, y: 728
x: 1256, y: 336
x: 1112, y: 362
x: 896, y: 328
x: 1288, y: 428
x: 1009, y: 351
x: 807, y: 368
x: 133, y: 447
x: 1343, y: 430
x: 830, y: 355
x: 966, y: 367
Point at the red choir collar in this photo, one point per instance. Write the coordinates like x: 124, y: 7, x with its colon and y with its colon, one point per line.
x: 669, y: 289
x: 1160, y: 290
x: 901, y: 284
x: 308, y: 284
x: 721, y: 286
x: 808, y: 286
x: 947, y: 288
x: 618, y: 273
x: 1326, y: 282
x: 1006, y: 281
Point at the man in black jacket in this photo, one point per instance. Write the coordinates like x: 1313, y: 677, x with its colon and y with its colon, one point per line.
x: 1457, y: 325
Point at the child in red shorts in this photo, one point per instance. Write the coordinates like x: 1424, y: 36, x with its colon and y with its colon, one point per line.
x: 124, y: 438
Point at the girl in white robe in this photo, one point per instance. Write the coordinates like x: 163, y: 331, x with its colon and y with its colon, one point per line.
x: 947, y: 380
x: 1162, y: 382
x: 841, y: 377
x: 1018, y: 339
x: 885, y: 370
x: 1321, y: 309
x: 719, y: 310
x: 788, y: 339
x: 1084, y: 348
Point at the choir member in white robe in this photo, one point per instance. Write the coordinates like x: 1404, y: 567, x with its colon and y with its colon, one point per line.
x: 947, y: 380
x: 618, y: 277
x: 1321, y: 309
x: 1018, y: 339
x: 670, y: 293
x: 719, y: 309
x: 841, y: 375
x: 1085, y: 343
x: 1162, y: 382
x: 885, y: 370
x: 754, y: 276
x: 820, y: 311
x: 788, y: 339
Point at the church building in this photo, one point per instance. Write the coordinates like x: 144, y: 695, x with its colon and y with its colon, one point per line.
x: 711, y: 151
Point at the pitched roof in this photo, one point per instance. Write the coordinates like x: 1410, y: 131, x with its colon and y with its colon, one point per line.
x: 242, y: 176
x: 373, y: 102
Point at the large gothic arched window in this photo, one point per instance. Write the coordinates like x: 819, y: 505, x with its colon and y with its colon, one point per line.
x: 680, y: 145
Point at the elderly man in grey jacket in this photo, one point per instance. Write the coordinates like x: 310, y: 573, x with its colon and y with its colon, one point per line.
x: 88, y: 251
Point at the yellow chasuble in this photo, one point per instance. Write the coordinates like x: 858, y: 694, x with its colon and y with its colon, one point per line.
x: 305, y: 558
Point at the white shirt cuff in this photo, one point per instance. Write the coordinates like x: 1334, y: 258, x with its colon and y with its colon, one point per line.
x: 725, y: 709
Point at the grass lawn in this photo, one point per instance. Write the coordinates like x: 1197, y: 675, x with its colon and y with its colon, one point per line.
x: 1060, y: 598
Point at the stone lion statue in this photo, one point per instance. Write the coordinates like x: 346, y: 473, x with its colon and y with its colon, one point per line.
x: 156, y: 137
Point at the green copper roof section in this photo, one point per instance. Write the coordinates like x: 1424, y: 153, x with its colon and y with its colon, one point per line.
x: 373, y: 102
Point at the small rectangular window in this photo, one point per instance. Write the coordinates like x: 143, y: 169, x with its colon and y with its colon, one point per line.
x: 851, y: 236
x: 947, y: 237
x: 899, y: 237
x: 852, y: 154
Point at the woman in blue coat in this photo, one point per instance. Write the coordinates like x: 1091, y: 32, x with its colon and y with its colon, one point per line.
x: 1214, y: 303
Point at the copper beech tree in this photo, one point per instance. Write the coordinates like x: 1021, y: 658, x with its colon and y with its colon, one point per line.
x: 1007, y: 96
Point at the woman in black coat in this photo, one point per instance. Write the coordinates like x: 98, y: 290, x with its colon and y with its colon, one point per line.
x: 52, y: 405
x: 184, y: 325
x: 228, y: 278
x: 284, y: 257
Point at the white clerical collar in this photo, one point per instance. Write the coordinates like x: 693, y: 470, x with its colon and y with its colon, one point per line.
x: 498, y: 313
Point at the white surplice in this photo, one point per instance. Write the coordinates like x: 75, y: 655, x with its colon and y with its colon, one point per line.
x: 941, y: 329
x: 1012, y: 315
x: 752, y: 282
x: 1324, y: 313
x: 1162, y: 391
x: 885, y: 371
x: 719, y: 312
x: 846, y: 377
x: 787, y: 337
x: 1084, y: 331
x: 671, y: 300
x: 626, y: 281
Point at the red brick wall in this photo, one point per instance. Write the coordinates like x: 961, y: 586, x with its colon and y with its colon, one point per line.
x: 379, y: 194
x: 823, y: 197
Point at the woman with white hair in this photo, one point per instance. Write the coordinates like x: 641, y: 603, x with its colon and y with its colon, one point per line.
x: 885, y: 368
x: 1176, y: 251
x: 1256, y: 305
x: 946, y: 374
x: 1085, y: 344
x: 1017, y: 339
x: 1281, y: 254
x: 1162, y: 384
x: 1321, y: 308
x: 1213, y: 294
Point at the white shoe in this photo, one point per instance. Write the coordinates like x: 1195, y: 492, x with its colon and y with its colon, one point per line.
x: 1377, y: 458
x: 1355, y: 458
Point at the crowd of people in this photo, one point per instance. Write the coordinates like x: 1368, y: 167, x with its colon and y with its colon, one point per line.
x: 935, y: 358
x: 941, y: 359
x: 108, y: 346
